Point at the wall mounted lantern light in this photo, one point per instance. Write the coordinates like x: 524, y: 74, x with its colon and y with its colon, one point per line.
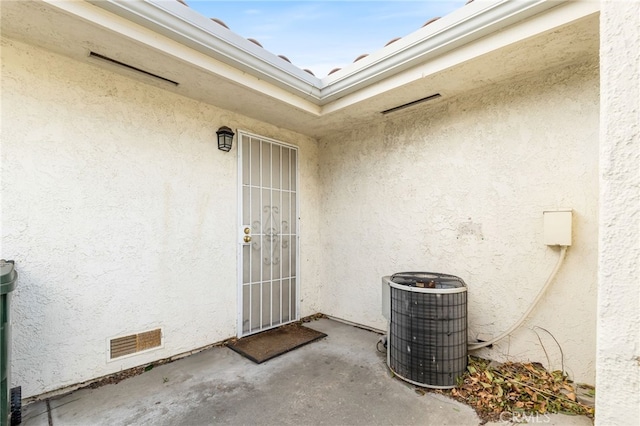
x: 225, y: 138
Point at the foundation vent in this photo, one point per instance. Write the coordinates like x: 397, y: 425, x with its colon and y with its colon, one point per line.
x: 128, y: 345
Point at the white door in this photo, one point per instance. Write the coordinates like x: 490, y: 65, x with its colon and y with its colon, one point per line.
x: 268, y: 237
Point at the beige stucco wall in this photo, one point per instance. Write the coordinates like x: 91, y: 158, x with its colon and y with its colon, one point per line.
x: 121, y: 214
x: 618, y: 366
x: 460, y: 187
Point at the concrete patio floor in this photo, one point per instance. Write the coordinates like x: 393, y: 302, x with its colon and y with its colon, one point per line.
x: 339, y: 380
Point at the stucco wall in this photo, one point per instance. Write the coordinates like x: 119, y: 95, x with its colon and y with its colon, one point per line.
x: 459, y: 187
x: 121, y: 213
x: 618, y: 366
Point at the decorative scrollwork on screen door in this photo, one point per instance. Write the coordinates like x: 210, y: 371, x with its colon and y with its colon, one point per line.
x: 272, y: 238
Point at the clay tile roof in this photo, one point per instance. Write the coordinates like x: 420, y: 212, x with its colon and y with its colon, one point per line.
x: 219, y: 22
x: 284, y: 58
x: 364, y: 55
x: 393, y: 40
x: 431, y: 21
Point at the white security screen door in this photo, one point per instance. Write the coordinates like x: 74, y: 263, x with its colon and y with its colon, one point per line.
x: 268, y: 237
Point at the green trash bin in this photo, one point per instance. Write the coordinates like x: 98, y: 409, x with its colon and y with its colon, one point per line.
x: 10, y: 409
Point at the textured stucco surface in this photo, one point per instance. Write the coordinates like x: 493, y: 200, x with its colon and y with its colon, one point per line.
x: 459, y: 187
x: 121, y: 213
x: 618, y: 366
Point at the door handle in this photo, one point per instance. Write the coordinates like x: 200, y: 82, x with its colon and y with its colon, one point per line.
x: 247, y: 238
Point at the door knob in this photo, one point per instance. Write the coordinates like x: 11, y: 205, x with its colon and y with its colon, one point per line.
x: 247, y: 230
x: 247, y: 238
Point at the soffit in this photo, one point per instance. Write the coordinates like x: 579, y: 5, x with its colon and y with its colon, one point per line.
x: 564, y: 33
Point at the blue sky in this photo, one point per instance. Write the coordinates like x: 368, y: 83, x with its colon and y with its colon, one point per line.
x: 322, y: 35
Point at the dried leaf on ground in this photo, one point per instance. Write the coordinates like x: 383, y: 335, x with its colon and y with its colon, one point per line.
x: 516, y: 388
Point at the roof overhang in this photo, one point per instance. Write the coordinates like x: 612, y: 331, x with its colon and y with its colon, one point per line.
x: 217, y: 66
x: 189, y: 28
x: 465, y: 25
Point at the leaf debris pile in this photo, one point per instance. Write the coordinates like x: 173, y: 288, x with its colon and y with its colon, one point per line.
x: 516, y: 388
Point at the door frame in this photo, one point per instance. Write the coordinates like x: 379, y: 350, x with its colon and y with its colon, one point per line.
x: 240, y: 234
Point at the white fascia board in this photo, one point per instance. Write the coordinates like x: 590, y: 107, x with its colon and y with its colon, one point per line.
x: 177, y: 22
x: 461, y: 27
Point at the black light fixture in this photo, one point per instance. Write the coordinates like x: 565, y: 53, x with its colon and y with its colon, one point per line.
x: 225, y: 138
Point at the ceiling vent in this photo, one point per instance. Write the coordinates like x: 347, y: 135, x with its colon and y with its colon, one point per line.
x: 134, y: 343
x: 112, y: 61
x: 416, y: 102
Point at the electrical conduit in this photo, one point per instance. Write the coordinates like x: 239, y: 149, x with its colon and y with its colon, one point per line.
x: 479, y: 345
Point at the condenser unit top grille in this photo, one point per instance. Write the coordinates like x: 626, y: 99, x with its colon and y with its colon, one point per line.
x: 427, y: 280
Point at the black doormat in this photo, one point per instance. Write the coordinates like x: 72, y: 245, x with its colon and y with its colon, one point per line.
x: 269, y: 344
